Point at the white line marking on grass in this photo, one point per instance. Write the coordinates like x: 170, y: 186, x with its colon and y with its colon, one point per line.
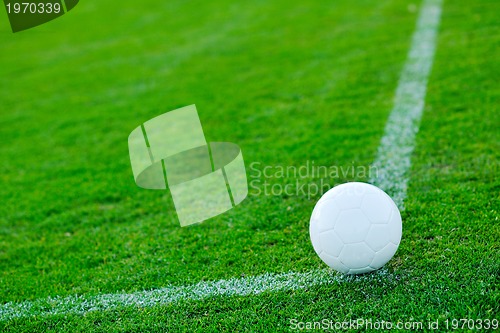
x: 393, y: 160
x: 253, y: 285
x: 393, y: 163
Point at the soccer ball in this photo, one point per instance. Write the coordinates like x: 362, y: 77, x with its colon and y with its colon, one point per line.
x: 355, y: 228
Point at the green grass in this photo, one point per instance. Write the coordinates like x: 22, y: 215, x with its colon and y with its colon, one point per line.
x: 288, y: 82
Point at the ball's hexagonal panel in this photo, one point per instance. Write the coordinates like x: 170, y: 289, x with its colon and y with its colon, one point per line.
x: 325, y: 214
x: 360, y: 270
x: 395, y: 227
x: 383, y: 256
x: 377, y: 207
x: 377, y: 237
x: 349, y: 199
x: 357, y: 255
x: 330, y: 243
x: 352, y: 226
x: 334, y: 263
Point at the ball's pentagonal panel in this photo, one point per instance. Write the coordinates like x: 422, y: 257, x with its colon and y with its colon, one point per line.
x: 357, y: 255
x: 334, y: 263
x: 383, y: 256
x: 377, y: 237
x: 326, y: 213
x: 395, y: 226
x: 352, y: 226
x: 376, y: 209
x: 330, y: 243
x: 355, y: 228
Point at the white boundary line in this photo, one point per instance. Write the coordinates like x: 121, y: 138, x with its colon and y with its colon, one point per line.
x: 253, y: 285
x: 393, y: 163
x: 393, y: 160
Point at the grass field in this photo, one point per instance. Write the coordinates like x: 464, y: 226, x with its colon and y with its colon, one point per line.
x: 289, y: 82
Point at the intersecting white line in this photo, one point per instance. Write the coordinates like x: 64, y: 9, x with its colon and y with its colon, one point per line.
x: 393, y: 163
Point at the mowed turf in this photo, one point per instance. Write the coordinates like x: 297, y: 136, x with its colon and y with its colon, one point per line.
x: 289, y: 83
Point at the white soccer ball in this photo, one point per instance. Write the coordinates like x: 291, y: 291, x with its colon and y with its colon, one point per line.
x: 355, y: 228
